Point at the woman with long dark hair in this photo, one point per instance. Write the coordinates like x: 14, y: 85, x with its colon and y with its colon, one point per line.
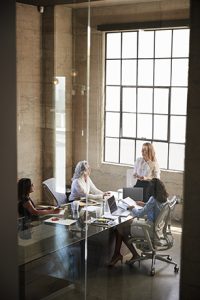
x: 26, y: 206
x: 151, y: 209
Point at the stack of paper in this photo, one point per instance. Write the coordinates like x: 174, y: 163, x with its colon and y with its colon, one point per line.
x: 130, y: 202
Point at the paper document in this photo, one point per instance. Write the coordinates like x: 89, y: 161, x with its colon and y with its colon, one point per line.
x: 130, y: 202
x: 61, y: 221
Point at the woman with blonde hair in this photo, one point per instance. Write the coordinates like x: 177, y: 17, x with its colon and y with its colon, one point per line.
x: 146, y: 168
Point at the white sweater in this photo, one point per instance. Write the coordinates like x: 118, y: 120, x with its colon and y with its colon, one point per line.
x: 81, y: 188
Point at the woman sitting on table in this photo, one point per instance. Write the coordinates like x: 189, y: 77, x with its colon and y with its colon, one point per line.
x: 150, y: 209
x: 146, y: 168
x: 26, y: 207
x: 82, y: 184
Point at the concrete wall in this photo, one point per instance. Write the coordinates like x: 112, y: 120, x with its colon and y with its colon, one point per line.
x: 111, y: 176
x: 44, y: 50
x: 28, y: 24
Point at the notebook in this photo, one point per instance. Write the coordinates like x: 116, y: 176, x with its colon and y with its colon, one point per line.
x: 114, y: 210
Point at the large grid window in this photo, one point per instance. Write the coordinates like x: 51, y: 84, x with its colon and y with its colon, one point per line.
x: 146, y: 77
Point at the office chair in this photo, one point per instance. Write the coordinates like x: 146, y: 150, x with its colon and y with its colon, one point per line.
x: 49, y: 186
x: 151, y: 248
x: 135, y: 193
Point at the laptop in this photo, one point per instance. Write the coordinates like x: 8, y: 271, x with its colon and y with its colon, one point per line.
x: 135, y: 193
x: 116, y: 211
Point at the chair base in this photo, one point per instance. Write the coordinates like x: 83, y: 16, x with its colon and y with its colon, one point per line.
x: 154, y: 256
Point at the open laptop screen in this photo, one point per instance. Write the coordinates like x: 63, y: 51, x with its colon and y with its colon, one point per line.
x: 112, y: 204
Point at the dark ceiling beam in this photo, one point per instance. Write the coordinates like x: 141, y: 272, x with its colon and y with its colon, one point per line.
x: 52, y: 2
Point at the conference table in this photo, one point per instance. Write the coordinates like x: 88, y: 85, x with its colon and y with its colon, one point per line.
x: 53, y: 256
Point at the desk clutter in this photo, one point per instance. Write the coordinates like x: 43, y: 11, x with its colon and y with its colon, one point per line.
x: 103, y: 221
x: 77, y: 211
x: 92, y: 212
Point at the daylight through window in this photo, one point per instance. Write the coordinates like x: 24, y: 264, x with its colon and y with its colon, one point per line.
x: 146, y: 78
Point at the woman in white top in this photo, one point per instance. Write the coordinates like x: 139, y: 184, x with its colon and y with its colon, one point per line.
x: 146, y: 168
x: 82, y: 185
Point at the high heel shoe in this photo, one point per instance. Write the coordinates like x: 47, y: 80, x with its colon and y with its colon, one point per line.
x: 133, y: 260
x: 115, y: 259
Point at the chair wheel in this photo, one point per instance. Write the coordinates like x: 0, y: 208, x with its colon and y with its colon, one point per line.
x: 169, y: 257
x: 176, y: 269
x: 152, y: 271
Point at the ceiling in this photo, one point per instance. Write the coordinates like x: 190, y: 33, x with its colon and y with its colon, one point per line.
x: 81, y: 3
x: 52, y: 2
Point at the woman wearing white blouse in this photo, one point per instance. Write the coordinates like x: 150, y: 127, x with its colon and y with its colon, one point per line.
x: 82, y: 185
x: 146, y: 168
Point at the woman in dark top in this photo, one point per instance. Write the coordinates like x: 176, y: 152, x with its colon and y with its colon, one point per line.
x: 26, y: 207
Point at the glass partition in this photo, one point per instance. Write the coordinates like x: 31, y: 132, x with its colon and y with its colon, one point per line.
x: 93, y: 86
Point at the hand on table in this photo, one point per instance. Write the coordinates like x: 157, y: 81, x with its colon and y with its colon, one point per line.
x: 106, y: 194
x: 56, y: 210
x: 130, y: 207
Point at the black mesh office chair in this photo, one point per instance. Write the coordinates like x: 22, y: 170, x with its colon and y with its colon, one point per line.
x: 152, y: 247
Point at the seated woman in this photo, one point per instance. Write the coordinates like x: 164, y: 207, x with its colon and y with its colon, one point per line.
x: 146, y: 168
x: 26, y: 207
x: 82, y: 184
x: 151, y: 209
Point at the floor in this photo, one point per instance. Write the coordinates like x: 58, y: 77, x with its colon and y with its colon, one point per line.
x: 123, y: 282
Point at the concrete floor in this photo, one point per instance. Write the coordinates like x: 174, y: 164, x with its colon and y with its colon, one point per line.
x: 127, y: 283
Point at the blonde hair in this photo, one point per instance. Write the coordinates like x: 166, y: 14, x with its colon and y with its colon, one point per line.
x: 150, y: 151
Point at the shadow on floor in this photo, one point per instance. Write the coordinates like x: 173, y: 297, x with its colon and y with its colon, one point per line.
x: 127, y: 283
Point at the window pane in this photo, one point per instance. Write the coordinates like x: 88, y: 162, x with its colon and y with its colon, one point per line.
x: 112, y: 124
x: 160, y: 127
x: 179, y: 72
x: 113, y: 45
x: 146, y: 44
x: 179, y: 101
x: 128, y: 125
x: 161, y: 101
x: 129, y: 72
x: 161, y: 150
x: 162, y: 72
x: 129, y: 45
x: 144, y: 128
x: 163, y: 43
x: 177, y: 129
x: 113, y: 72
x: 145, y: 72
x: 129, y: 99
x: 112, y: 98
x: 145, y: 100
x: 112, y: 150
x: 181, y: 43
x: 176, y: 157
x: 127, y: 152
